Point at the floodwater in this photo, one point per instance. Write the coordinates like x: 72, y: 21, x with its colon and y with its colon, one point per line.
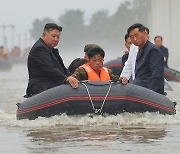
x: 126, y: 133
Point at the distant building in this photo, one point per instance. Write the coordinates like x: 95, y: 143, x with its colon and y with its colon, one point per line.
x: 164, y: 20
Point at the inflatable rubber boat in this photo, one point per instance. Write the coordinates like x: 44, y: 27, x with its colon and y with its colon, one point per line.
x: 116, y: 66
x: 171, y: 74
x: 110, y: 98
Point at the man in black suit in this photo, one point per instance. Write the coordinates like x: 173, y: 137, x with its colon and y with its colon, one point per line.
x: 45, y: 66
x: 158, y: 40
x: 149, y: 67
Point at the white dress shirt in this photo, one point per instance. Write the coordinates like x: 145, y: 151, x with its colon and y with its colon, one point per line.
x: 129, y: 68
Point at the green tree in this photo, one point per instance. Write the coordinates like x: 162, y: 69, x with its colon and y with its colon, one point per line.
x: 97, y: 28
x: 102, y: 28
x: 127, y: 14
x: 72, y: 22
x: 140, y: 11
x: 120, y: 21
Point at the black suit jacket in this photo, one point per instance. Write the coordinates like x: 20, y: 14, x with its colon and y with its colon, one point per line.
x: 165, y: 53
x: 149, y: 68
x: 124, y: 58
x: 45, y: 67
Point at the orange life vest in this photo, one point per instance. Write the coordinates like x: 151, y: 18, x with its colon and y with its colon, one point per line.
x: 92, y: 75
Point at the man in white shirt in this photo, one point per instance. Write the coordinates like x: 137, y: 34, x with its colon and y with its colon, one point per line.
x: 149, y: 66
x: 128, y: 70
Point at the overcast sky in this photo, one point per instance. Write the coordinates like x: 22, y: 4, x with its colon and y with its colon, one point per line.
x: 21, y: 13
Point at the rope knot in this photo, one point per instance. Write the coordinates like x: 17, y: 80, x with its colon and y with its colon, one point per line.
x: 97, y: 111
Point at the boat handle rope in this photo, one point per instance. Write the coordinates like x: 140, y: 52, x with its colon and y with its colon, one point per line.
x: 98, y: 111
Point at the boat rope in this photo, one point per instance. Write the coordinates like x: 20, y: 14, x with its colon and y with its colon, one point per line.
x: 98, y: 111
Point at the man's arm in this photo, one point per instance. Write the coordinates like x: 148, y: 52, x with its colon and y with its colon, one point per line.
x: 157, y: 68
x: 166, y: 54
x: 126, y: 72
x: 128, y: 68
x: 45, y: 62
x: 113, y: 77
x: 80, y: 74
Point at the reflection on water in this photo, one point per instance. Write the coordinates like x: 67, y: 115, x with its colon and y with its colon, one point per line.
x: 81, y: 134
x: 91, y: 138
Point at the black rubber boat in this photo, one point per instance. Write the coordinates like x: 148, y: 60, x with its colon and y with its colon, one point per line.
x: 116, y: 66
x: 171, y: 74
x: 94, y: 98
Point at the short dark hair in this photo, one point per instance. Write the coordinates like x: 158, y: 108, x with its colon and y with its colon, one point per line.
x: 126, y: 36
x: 147, y: 30
x: 158, y: 36
x: 90, y: 46
x: 95, y: 51
x: 51, y: 26
x: 137, y: 25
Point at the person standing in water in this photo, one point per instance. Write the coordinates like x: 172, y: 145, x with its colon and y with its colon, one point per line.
x: 45, y: 66
x: 149, y: 66
x: 158, y: 40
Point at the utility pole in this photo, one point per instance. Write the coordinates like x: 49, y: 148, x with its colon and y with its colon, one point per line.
x: 4, y: 37
x: 12, y: 35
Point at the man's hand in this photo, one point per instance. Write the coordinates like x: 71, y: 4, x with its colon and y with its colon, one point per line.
x: 124, y: 80
x: 72, y: 81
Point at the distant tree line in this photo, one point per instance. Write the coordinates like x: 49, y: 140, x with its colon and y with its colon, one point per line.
x: 101, y: 29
